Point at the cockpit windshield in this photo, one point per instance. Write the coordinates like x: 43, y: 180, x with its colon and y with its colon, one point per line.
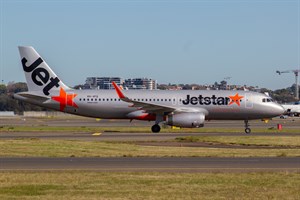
x: 267, y: 100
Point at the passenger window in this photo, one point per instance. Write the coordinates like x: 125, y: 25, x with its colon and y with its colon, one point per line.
x: 88, y: 99
x: 264, y: 100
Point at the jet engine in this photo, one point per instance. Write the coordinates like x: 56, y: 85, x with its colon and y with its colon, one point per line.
x: 186, y: 120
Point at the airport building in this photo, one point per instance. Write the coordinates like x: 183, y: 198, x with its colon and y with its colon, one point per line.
x: 131, y: 83
x: 140, y: 83
x: 104, y: 83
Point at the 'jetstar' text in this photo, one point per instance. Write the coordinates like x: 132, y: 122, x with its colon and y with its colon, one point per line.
x: 206, y: 100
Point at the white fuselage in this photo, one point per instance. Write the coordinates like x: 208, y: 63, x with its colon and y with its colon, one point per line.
x: 214, y: 103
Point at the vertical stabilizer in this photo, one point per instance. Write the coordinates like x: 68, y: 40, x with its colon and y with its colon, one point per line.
x: 39, y: 76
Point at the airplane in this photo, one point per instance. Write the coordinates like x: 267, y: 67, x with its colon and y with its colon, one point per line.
x: 185, y: 108
x: 292, y: 109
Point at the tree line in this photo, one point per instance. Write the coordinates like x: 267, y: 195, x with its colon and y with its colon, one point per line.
x: 7, y: 103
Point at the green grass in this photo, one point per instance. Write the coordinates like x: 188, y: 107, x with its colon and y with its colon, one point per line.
x: 93, y: 185
x: 135, y: 129
x: 65, y: 148
x: 283, y: 141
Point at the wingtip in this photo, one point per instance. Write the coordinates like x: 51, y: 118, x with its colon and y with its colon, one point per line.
x: 118, y: 90
x: 21, y: 46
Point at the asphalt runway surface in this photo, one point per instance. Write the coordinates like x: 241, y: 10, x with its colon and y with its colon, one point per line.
x: 290, y: 123
x: 123, y: 137
x: 149, y: 164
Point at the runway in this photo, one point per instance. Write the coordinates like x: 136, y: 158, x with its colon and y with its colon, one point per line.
x: 75, y: 121
x: 123, y: 137
x: 150, y: 164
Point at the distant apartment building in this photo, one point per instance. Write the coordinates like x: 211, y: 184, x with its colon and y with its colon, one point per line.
x: 132, y: 83
x: 140, y: 83
x: 104, y: 83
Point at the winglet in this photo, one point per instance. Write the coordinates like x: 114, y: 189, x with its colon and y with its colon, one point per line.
x: 118, y: 90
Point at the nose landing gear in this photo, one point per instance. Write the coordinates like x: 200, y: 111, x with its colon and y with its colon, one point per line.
x: 247, y: 129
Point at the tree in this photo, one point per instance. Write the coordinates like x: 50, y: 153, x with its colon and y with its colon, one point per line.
x: 3, y: 89
x: 17, y: 87
x: 7, y: 103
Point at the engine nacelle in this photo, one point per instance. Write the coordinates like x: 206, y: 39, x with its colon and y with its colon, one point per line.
x: 186, y: 120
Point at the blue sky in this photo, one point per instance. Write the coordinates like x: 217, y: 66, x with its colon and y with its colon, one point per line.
x: 171, y: 41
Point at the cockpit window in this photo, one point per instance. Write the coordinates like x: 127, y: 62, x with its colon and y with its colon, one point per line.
x: 267, y: 100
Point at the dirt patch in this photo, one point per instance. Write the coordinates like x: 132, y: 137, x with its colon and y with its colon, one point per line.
x: 211, y: 145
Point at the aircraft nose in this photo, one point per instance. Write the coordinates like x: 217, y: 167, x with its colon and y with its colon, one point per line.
x: 278, y: 110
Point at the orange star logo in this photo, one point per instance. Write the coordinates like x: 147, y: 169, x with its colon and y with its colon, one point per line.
x: 65, y: 99
x: 235, y: 99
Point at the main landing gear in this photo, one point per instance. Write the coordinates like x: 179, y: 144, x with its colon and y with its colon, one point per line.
x: 247, y: 129
x: 155, y: 128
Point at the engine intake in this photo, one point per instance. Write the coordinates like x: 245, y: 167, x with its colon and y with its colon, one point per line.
x: 186, y: 120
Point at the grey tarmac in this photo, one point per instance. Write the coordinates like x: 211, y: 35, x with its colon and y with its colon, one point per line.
x: 150, y: 164
x: 76, y: 121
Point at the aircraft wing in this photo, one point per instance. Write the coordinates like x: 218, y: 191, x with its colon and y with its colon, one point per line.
x: 150, y: 107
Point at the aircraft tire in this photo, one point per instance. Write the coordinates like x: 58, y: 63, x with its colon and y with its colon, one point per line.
x: 247, y: 130
x: 155, y: 128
